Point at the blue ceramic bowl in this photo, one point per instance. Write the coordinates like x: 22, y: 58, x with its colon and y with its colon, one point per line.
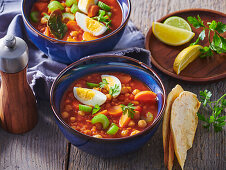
x: 68, y: 52
x: 106, y: 63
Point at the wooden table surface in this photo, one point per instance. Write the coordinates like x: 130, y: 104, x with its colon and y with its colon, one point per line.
x: 46, y: 148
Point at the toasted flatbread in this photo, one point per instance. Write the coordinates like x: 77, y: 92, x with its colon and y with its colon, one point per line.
x: 184, y: 121
x: 175, y: 92
x: 171, y: 152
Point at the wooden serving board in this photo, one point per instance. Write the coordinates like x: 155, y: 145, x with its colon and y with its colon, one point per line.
x: 201, y: 70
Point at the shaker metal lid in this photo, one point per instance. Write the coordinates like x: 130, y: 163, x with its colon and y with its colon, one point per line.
x: 13, y: 54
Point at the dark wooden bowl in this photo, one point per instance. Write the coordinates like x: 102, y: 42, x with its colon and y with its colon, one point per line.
x: 201, y: 70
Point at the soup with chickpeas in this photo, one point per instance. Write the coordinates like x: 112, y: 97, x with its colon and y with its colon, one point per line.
x: 76, y: 20
x: 112, y: 105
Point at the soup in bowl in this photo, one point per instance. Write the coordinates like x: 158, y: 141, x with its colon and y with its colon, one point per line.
x: 76, y: 20
x: 66, y: 30
x: 108, y: 105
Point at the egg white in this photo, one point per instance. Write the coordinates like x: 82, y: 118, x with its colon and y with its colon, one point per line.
x: 98, y: 98
x: 112, y: 80
x: 83, y: 5
x: 82, y: 20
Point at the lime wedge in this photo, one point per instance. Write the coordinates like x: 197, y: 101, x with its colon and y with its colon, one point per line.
x: 178, y: 22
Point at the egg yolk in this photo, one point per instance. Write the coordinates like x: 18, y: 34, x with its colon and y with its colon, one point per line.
x: 93, y: 25
x: 85, y: 94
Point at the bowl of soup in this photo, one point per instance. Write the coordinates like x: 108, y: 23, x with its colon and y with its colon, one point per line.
x: 67, y: 30
x: 108, y: 105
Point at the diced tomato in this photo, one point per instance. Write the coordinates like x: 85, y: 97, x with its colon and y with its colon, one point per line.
x: 41, y: 6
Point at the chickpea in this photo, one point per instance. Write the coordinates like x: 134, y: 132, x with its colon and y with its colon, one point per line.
x: 72, y: 119
x: 97, y: 136
x: 135, y: 132
x: 68, y: 107
x: 67, y: 9
x: 149, y: 117
x: 87, y: 132
x: 135, y: 91
x: 129, y: 89
x: 142, y: 123
x: 44, y: 20
x: 65, y: 115
x: 131, y: 123
x: 104, y: 91
x: 63, y: 4
x: 81, y: 113
x: 124, y: 132
x: 108, y: 96
x: 127, y: 94
x: 137, y: 115
x: 124, y: 90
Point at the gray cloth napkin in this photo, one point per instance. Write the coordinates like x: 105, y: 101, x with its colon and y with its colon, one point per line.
x: 41, y: 69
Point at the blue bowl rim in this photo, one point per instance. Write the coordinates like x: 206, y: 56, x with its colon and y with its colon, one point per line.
x: 147, y: 130
x: 123, y: 24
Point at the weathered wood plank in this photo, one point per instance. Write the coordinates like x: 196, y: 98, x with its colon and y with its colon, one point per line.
x: 42, y: 148
x: 208, y: 151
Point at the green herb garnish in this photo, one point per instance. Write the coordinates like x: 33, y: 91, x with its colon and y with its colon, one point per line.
x: 114, y: 91
x: 103, y: 84
x: 130, y: 109
x: 96, y: 109
x: 103, y: 18
x: 217, y: 120
x: 218, y: 43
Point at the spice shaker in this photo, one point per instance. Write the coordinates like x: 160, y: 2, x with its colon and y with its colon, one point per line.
x: 18, y: 111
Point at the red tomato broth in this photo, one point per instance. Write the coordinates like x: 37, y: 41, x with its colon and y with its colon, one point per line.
x: 115, y: 23
x: 83, y: 123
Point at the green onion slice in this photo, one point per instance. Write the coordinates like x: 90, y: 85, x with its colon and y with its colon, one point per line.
x: 109, y: 14
x: 92, y: 85
x: 113, y: 129
x: 104, y: 6
x: 34, y: 16
x: 68, y: 16
x: 70, y: 2
x: 101, y: 118
x: 74, y: 8
x: 54, y: 5
x: 85, y: 108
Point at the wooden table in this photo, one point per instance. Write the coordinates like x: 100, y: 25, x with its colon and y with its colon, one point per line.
x: 46, y: 148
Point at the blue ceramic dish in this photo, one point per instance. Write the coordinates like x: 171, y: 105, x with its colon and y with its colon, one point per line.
x: 68, y: 52
x: 110, y: 63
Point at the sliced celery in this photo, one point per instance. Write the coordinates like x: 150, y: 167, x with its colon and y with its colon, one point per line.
x: 54, y: 5
x: 101, y: 118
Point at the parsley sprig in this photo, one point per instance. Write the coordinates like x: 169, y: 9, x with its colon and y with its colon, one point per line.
x: 218, y: 43
x: 114, y: 90
x: 103, y: 84
x: 217, y: 120
x: 130, y: 109
x: 102, y: 17
x: 96, y: 109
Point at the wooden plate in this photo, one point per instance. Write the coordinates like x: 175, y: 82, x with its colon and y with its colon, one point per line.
x: 201, y: 70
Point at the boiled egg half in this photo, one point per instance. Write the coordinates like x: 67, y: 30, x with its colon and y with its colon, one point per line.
x: 89, y: 96
x: 83, y: 5
x: 90, y: 25
x: 113, y: 82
